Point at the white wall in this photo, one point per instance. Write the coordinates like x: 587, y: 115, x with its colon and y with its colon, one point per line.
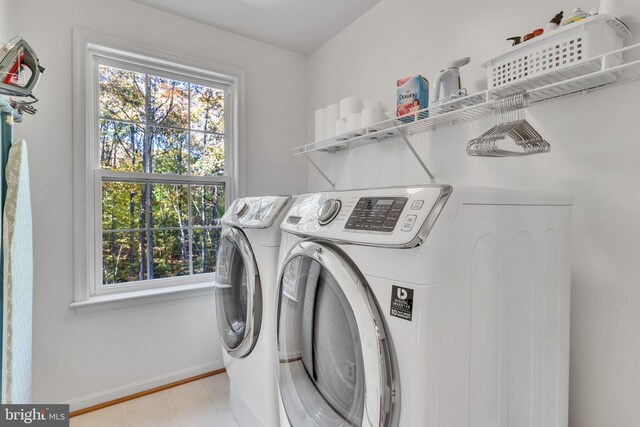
x: 4, y: 22
x: 79, y: 355
x: 594, y: 158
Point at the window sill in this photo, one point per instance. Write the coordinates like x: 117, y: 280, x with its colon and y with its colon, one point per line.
x: 149, y: 296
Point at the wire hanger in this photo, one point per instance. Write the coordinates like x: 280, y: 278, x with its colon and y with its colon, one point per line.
x: 510, y: 122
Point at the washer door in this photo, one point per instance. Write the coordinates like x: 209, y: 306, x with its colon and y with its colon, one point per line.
x: 238, y: 294
x: 335, y: 364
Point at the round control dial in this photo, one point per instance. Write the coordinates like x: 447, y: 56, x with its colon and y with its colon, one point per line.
x: 328, y: 211
x: 241, y: 209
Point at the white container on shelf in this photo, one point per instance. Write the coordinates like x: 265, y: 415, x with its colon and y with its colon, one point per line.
x: 350, y: 105
x: 559, y: 49
x: 611, y: 7
x: 340, y: 127
x: 354, y: 121
x: 333, y: 114
x: 366, y: 104
x: 321, y: 124
x: 373, y: 114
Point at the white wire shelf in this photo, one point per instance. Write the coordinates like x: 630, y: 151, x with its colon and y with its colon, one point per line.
x: 613, y: 68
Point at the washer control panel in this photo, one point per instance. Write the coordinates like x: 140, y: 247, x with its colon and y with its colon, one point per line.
x: 384, y: 216
x: 376, y: 213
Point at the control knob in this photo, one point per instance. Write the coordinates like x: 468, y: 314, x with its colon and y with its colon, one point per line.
x: 328, y: 211
x: 241, y: 209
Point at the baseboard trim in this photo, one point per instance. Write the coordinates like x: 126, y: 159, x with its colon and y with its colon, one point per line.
x: 117, y: 395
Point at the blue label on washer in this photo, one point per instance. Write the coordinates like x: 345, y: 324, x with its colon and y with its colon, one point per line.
x: 401, y: 302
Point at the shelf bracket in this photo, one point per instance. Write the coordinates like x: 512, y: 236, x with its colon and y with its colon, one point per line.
x: 417, y: 156
x: 326, y: 178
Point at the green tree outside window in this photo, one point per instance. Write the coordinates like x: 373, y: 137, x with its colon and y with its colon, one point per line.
x: 156, y: 125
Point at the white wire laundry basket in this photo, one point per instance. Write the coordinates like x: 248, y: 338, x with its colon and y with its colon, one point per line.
x: 561, y: 48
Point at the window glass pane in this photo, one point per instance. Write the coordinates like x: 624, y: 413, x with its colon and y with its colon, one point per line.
x: 123, y: 205
x: 205, y: 249
x: 207, y: 109
x: 121, y: 146
x: 157, y: 125
x: 122, y: 94
x: 169, y: 151
x: 168, y: 102
x: 123, y: 257
x: 207, y: 154
x: 207, y: 204
x: 170, y: 254
x: 169, y: 206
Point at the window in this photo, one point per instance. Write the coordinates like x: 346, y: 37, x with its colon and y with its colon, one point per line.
x: 155, y: 134
x: 159, y: 171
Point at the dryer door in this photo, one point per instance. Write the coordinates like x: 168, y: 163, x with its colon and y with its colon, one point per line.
x: 335, y: 364
x: 238, y: 294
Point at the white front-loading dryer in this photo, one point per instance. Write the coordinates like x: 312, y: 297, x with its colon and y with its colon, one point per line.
x: 245, y: 293
x: 425, y: 306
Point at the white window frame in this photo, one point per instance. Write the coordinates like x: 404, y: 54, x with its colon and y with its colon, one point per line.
x: 90, y: 50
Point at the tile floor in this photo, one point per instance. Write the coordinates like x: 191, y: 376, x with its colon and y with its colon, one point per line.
x: 203, y: 403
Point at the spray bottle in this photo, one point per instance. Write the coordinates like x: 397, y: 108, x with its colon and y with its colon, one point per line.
x: 554, y: 23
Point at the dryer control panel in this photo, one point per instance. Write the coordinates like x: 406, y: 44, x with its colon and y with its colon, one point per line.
x: 254, y: 212
x: 397, y: 217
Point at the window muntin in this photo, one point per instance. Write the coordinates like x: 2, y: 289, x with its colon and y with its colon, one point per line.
x: 161, y: 171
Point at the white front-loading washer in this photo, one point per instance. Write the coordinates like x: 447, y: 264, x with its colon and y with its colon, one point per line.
x: 430, y: 306
x: 246, y: 289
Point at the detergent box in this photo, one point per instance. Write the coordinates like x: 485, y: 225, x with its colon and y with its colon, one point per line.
x: 413, y: 95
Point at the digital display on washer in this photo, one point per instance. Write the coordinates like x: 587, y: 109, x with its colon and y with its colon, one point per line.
x: 376, y: 213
